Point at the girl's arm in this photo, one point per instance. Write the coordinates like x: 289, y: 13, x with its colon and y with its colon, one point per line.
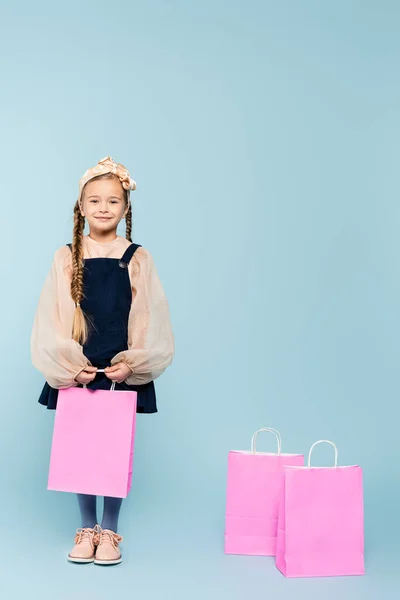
x: 151, y: 341
x: 54, y: 352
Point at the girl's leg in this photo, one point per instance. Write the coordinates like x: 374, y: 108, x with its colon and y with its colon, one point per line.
x: 108, y: 552
x: 88, y: 508
x: 112, y: 506
x: 84, y: 548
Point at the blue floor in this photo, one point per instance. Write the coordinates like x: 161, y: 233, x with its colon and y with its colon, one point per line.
x: 167, y: 555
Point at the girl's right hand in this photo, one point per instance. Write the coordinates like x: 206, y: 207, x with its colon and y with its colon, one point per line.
x: 87, y: 375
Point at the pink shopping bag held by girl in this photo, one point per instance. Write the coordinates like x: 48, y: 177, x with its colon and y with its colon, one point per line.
x: 93, y: 439
x: 253, y: 492
x: 321, y: 521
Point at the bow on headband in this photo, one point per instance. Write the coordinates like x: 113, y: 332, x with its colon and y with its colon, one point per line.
x: 104, y: 166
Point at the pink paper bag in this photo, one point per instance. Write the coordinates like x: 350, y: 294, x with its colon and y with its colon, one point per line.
x: 253, y: 492
x: 321, y: 521
x: 93, y: 438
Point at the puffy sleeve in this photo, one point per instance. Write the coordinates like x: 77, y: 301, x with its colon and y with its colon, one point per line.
x: 150, y: 337
x: 54, y: 352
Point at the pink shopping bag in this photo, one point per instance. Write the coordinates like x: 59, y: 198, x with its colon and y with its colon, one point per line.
x: 93, y: 439
x: 321, y: 521
x: 253, y: 492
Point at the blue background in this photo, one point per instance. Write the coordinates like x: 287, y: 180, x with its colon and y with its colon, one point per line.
x: 264, y: 137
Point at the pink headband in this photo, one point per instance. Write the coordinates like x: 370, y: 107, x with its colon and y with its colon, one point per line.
x: 104, y: 166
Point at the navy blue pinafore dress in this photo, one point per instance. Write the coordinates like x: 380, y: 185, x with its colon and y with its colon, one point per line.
x: 107, y: 302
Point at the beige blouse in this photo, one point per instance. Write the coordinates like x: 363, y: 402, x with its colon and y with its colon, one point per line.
x: 150, y: 338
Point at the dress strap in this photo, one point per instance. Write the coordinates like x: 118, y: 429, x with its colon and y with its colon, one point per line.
x: 129, y: 252
x: 126, y: 258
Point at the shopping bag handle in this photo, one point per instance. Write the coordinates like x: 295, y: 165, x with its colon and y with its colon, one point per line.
x: 112, y: 389
x: 323, y: 442
x: 268, y: 430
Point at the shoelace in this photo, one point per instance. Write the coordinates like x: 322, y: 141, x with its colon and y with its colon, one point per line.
x: 111, y: 537
x: 87, y: 532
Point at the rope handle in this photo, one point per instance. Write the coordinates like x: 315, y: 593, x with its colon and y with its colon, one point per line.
x: 112, y: 389
x: 323, y: 442
x: 275, y: 432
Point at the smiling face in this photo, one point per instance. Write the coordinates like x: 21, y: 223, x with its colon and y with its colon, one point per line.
x: 103, y: 205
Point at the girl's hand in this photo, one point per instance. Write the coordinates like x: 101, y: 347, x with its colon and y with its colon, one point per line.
x: 118, y: 372
x: 86, y: 376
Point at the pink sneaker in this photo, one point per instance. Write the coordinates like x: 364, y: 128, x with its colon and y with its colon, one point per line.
x: 86, y: 541
x: 108, y: 552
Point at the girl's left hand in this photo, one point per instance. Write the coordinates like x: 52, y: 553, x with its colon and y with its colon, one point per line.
x: 118, y: 372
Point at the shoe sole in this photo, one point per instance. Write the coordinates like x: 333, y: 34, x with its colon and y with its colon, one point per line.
x: 80, y: 560
x: 103, y: 563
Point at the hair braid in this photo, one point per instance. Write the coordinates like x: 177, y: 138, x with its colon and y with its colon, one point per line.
x: 79, y: 329
x: 128, y: 221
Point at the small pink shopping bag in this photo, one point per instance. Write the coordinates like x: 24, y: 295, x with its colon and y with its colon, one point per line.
x: 93, y: 439
x: 321, y: 521
x: 252, y: 502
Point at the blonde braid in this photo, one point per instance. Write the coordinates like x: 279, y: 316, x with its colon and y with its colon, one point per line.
x: 128, y: 222
x: 79, y: 329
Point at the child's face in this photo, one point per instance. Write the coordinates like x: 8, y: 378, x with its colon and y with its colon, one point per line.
x: 103, y: 204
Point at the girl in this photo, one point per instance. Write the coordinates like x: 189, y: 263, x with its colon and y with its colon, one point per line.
x: 102, y: 307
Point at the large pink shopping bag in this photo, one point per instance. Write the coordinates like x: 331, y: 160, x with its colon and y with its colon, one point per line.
x: 253, y: 492
x: 93, y: 439
x: 321, y: 521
